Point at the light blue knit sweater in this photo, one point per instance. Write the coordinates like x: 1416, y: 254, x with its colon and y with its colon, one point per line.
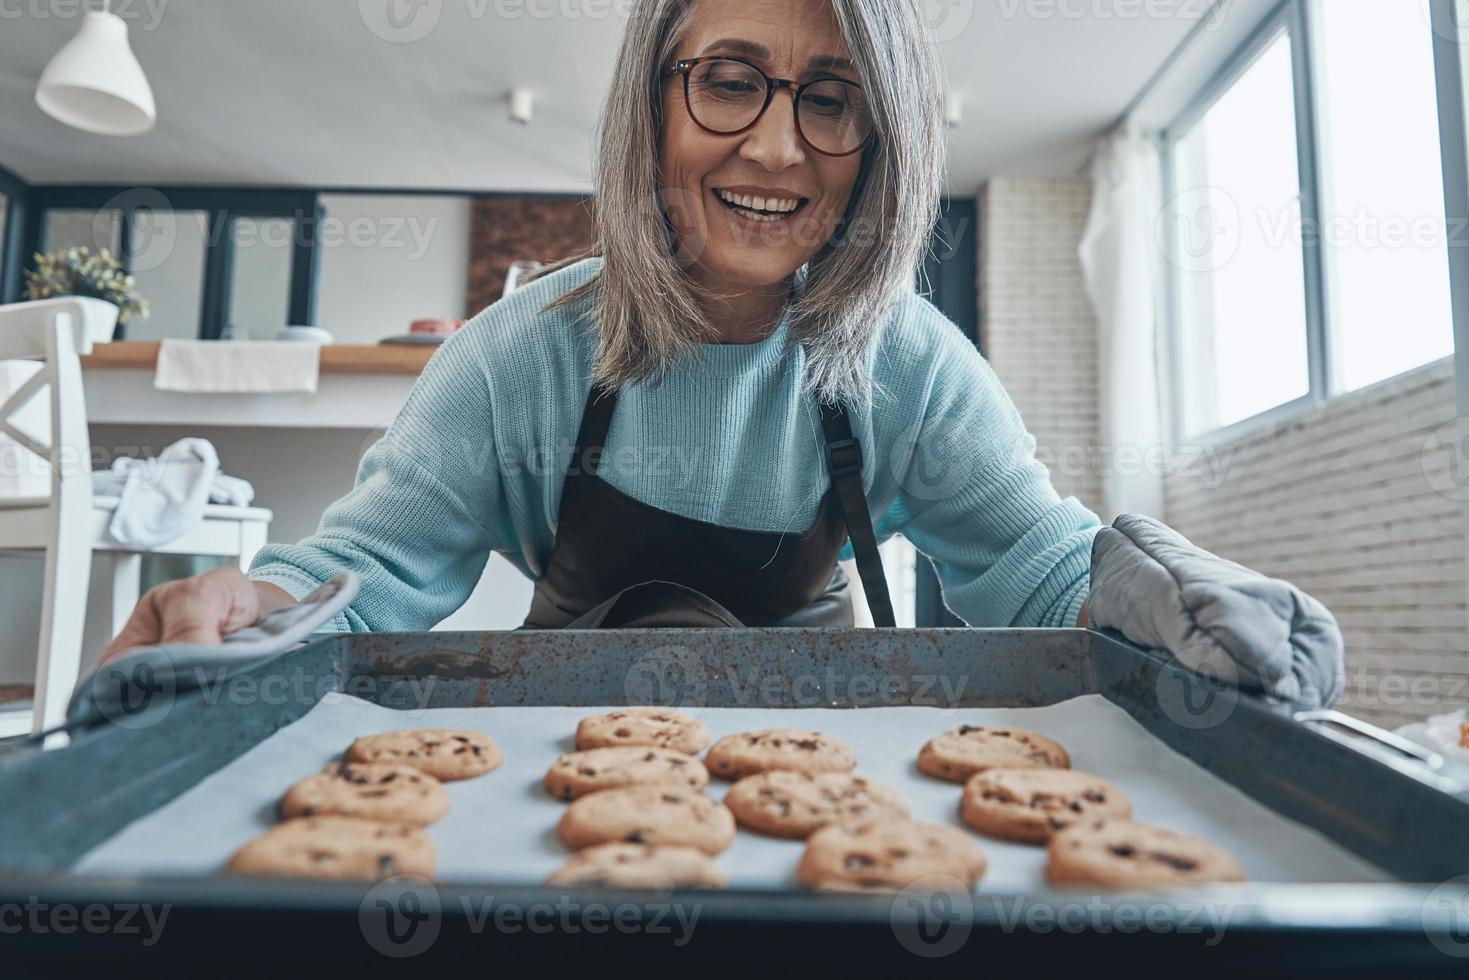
x: 474, y: 464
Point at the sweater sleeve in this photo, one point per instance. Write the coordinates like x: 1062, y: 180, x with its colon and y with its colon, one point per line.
x: 425, y: 512
x: 1008, y: 551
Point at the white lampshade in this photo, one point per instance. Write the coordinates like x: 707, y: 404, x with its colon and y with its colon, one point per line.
x: 95, y: 83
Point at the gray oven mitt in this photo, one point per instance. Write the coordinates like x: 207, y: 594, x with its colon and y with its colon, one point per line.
x: 1214, y: 616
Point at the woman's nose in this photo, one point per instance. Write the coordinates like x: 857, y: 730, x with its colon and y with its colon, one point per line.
x: 774, y: 141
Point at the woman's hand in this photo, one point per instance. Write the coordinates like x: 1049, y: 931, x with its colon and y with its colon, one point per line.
x: 197, y: 610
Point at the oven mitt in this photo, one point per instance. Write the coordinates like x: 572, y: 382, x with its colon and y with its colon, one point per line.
x: 180, y: 667
x: 1214, y: 616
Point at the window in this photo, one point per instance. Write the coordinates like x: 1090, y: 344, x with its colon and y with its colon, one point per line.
x: 1382, y: 203
x: 1235, y: 220
x: 260, y: 282
x: 1307, y: 242
x: 83, y: 228
x: 166, y: 255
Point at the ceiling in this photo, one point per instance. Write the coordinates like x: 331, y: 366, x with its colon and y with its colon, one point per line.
x: 331, y: 93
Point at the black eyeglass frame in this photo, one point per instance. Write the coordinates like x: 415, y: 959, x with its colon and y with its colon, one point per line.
x: 772, y: 85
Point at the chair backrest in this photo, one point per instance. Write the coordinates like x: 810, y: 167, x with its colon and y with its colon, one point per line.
x: 40, y: 343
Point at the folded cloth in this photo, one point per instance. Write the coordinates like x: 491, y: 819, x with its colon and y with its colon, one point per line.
x: 235, y: 367
x: 1214, y: 616
x: 161, y: 498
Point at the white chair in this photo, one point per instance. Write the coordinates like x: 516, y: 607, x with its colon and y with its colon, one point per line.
x: 68, y: 524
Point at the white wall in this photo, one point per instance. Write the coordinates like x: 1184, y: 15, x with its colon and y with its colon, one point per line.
x: 1036, y: 324
x: 386, y: 261
x: 1358, y: 503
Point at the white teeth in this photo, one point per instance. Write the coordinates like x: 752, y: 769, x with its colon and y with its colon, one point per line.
x: 769, y: 205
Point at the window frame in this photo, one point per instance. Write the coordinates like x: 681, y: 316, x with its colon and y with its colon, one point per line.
x: 222, y: 205
x: 1301, y: 21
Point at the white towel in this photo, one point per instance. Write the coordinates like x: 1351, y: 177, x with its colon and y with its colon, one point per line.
x: 236, y: 367
x: 161, y: 498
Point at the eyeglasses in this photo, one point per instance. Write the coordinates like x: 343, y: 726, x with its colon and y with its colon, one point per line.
x: 726, y: 96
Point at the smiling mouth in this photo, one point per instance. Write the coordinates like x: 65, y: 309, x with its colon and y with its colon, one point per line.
x: 761, y: 209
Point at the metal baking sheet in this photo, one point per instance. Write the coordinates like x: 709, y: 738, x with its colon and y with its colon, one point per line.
x: 500, y: 827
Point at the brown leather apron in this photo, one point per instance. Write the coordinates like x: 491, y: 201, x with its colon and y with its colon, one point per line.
x: 620, y: 563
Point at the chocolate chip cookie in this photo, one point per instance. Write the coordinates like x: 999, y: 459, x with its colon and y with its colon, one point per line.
x: 336, y: 848
x: 648, y: 814
x: 444, y: 753
x: 640, y: 866
x: 370, y: 790
x: 958, y: 754
x: 737, y: 756
x: 576, y: 774
x: 785, y: 803
x: 1122, y: 854
x: 662, y: 727
x: 888, y: 855
x: 1029, y: 805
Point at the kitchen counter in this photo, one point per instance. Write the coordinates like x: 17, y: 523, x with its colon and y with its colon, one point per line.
x: 142, y: 355
x: 360, y: 387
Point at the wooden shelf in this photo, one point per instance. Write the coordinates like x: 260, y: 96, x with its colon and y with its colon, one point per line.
x: 142, y: 355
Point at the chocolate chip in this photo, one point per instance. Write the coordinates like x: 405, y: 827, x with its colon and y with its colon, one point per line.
x: 854, y: 861
x: 1123, y: 850
x: 386, y: 865
x: 670, y: 798
x: 636, y: 837
x: 809, y: 744
x: 1173, y: 861
x: 966, y: 729
x: 623, y: 732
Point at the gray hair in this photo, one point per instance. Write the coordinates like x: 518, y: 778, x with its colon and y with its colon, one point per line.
x: 647, y: 305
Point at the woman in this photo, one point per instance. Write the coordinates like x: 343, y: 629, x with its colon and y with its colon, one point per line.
x: 768, y: 178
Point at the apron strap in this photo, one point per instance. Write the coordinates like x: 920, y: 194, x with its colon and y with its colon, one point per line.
x: 844, y: 464
x: 596, y: 421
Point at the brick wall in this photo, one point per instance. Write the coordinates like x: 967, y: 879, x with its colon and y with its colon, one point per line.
x: 509, y: 227
x: 1036, y: 323
x: 1356, y: 502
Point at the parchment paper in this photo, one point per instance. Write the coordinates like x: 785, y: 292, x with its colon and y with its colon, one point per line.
x: 500, y: 827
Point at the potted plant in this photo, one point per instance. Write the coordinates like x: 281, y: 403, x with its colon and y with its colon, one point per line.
x: 82, y: 272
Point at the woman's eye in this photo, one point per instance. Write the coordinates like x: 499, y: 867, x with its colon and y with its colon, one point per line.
x: 735, y: 87
x: 826, y: 106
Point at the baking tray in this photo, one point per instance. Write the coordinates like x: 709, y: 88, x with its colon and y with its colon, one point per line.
x: 1387, y: 807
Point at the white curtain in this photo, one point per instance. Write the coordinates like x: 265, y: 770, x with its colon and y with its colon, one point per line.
x: 1119, y: 261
